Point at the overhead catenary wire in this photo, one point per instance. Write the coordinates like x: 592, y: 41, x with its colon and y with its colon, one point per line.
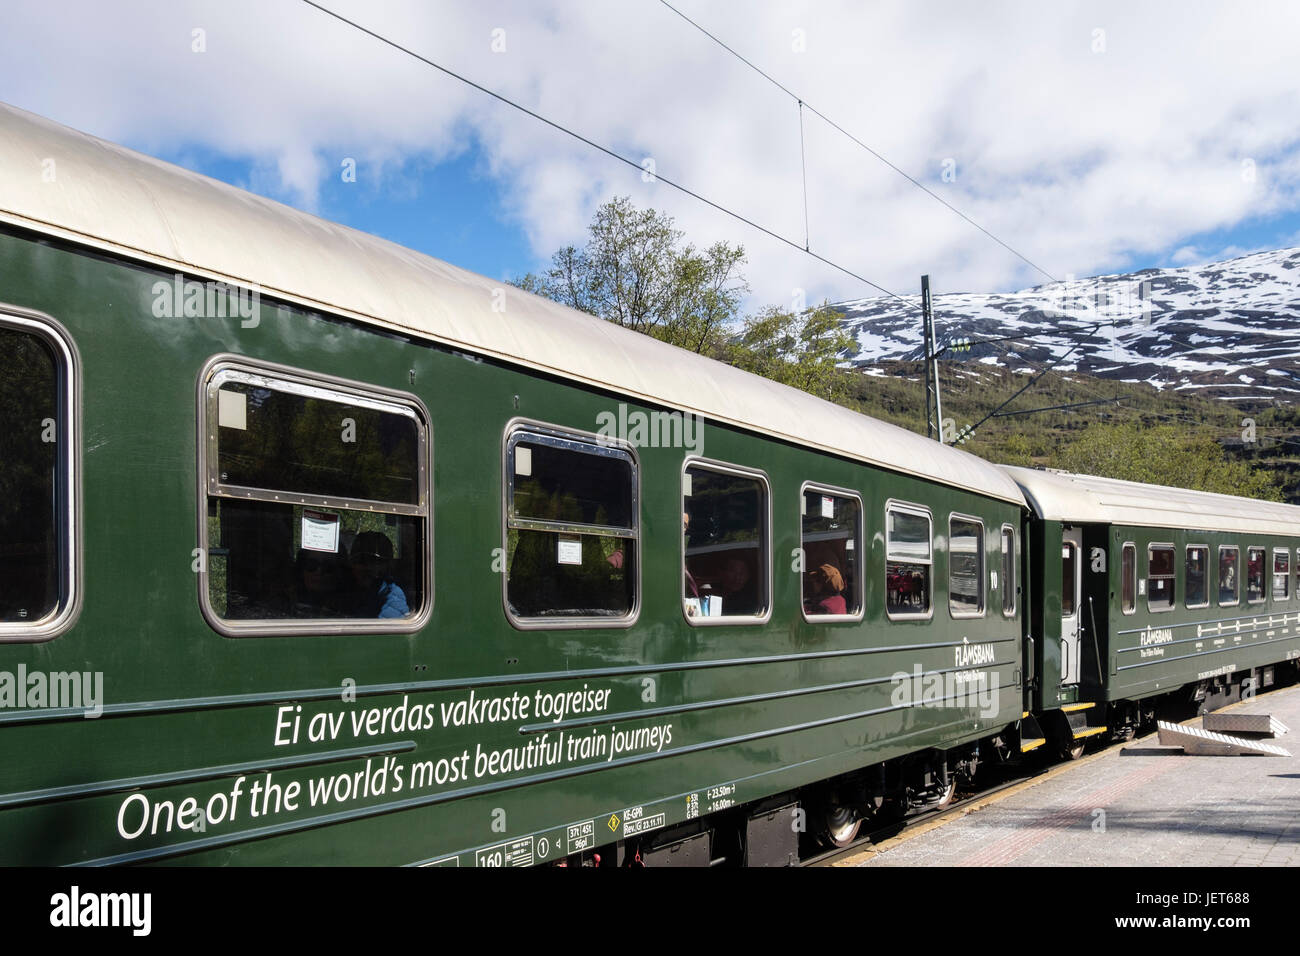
x: 613, y: 154
x: 840, y: 129
x: 803, y: 169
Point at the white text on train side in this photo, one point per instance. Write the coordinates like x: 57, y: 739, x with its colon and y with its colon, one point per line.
x: 973, y: 655
x: 1157, y: 635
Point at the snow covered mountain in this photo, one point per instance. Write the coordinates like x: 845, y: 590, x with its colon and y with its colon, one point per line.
x: 1229, y: 329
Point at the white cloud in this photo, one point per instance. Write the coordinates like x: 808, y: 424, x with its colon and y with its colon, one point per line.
x: 1080, y: 159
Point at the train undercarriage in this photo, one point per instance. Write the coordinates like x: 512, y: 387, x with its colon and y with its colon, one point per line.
x: 791, y: 827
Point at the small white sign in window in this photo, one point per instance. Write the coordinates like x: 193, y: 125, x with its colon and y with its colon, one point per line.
x: 232, y: 410
x: 523, y: 461
x: 320, y: 531
x: 828, y: 506
x: 570, y: 551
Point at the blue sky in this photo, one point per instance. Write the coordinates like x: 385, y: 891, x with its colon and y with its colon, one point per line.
x: 457, y: 211
x: 1094, y: 137
x: 452, y: 210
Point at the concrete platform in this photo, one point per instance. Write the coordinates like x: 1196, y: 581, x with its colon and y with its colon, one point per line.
x: 1139, y: 805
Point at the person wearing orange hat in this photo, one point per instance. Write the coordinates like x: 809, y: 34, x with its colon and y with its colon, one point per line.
x: 827, y: 586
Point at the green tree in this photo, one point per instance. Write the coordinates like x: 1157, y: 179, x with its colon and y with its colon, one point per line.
x: 636, y: 271
x: 794, y: 348
x: 1164, y: 455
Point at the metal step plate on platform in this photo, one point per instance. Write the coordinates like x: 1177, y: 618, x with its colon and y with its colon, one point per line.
x: 1205, y: 743
x: 1264, y: 724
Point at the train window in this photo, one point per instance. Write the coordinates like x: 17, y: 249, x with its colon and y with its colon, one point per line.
x: 907, y: 561
x: 1160, y: 577
x: 317, y: 504
x: 965, y: 566
x: 831, y: 538
x: 1128, y: 578
x: 571, y: 530
x: 1229, y: 575
x: 1255, y: 575
x: 725, y: 544
x: 1281, y: 574
x: 1008, y: 582
x: 39, y: 523
x: 1069, y: 555
x: 1198, y: 561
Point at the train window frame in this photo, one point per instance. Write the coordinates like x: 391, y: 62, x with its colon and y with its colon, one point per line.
x: 1008, y: 583
x: 1186, y: 554
x: 585, y: 442
x: 1236, y: 588
x: 920, y: 511
x: 765, y: 543
x: 1131, y: 547
x: 1071, y: 584
x: 67, y: 480
x: 1173, y: 576
x: 1286, y: 594
x: 1263, y: 584
x: 954, y: 613
x: 230, y: 367
x: 860, y: 574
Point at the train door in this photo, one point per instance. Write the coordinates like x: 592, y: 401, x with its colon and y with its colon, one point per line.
x: 1071, y: 590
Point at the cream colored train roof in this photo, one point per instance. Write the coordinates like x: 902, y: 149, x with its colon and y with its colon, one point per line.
x: 1060, y: 496
x: 109, y: 197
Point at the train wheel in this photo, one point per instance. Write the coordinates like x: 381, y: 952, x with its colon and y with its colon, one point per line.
x: 946, y: 799
x: 840, y: 826
x: 1072, y: 750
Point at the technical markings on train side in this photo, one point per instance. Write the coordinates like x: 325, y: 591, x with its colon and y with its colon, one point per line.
x: 519, y: 852
x: 692, y: 806
x: 720, y: 797
x: 636, y: 820
x: 1217, y: 672
x: 579, y: 837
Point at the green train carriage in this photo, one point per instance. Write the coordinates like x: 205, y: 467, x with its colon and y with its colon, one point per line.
x: 546, y: 634
x: 1150, y: 595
